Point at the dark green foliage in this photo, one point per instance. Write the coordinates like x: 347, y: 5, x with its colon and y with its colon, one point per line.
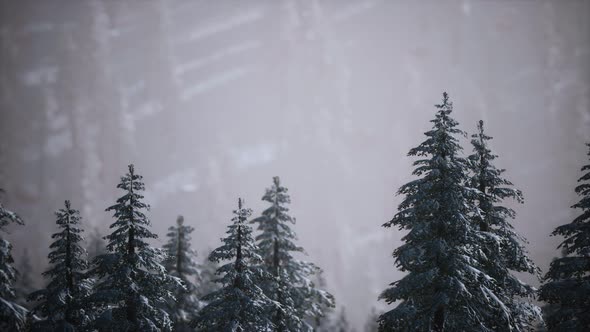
x: 132, y: 284
x: 62, y: 300
x: 12, y: 315
x: 501, y: 249
x: 446, y: 287
x: 181, y: 263
x: 290, y: 284
x: 240, y: 304
x: 567, y: 283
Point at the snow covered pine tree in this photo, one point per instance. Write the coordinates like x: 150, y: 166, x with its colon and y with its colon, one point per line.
x: 290, y: 284
x: 240, y: 305
x: 502, y: 251
x: 62, y: 300
x: 12, y: 316
x: 446, y: 288
x: 181, y: 263
x: 132, y: 284
x: 567, y: 286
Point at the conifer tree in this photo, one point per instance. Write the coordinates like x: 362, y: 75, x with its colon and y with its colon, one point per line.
x: 62, y: 300
x: 567, y: 283
x: 181, y: 263
x: 446, y: 287
x: 132, y: 285
x: 239, y: 305
x: 290, y: 284
x: 12, y: 316
x: 502, y: 251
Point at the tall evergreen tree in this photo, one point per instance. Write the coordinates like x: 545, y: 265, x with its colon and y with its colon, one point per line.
x: 446, y: 288
x: 132, y: 285
x: 567, y: 283
x: 181, y: 263
x: 62, y: 300
x: 290, y: 284
x: 240, y: 305
x: 12, y: 316
x: 502, y: 251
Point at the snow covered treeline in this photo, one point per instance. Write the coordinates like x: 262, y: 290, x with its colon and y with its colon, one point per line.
x: 129, y: 285
x: 460, y: 254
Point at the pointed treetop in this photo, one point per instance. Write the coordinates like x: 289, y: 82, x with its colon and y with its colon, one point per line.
x: 67, y: 204
x: 180, y: 220
x: 276, y: 180
x: 240, y: 203
x: 446, y: 102
x: 131, y: 168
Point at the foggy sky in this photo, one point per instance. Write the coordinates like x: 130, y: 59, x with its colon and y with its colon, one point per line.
x: 211, y: 99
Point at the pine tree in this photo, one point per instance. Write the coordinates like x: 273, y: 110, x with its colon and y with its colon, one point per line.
x: 446, y: 288
x: 290, y: 284
x: 12, y: 316
x: 240, y: 305
x: 567, y: 283
x: 133, y: 285
x: 502, y: 251
x: 181, y: 263
x: 62, y: 301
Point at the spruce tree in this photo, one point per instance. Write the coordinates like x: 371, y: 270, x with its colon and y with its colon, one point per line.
x: 239, y: 305
x: 132, y: 284
x: 12, y: 316
x: 567, y: 283
x: 446, y: 287
x: 502, y: 250
x: 290, y: 284
x: 62, y: 300
x: 181, y: 263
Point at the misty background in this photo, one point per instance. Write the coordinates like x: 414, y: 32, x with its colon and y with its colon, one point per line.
x: 211, y: 99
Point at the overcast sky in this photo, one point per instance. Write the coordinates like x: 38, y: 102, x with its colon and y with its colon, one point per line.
x: 211, y: 99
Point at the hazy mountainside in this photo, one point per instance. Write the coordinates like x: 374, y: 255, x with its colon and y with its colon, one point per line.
x: 212, y: 100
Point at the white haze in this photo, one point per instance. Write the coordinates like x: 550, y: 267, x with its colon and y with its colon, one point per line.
x: 211, y: 99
